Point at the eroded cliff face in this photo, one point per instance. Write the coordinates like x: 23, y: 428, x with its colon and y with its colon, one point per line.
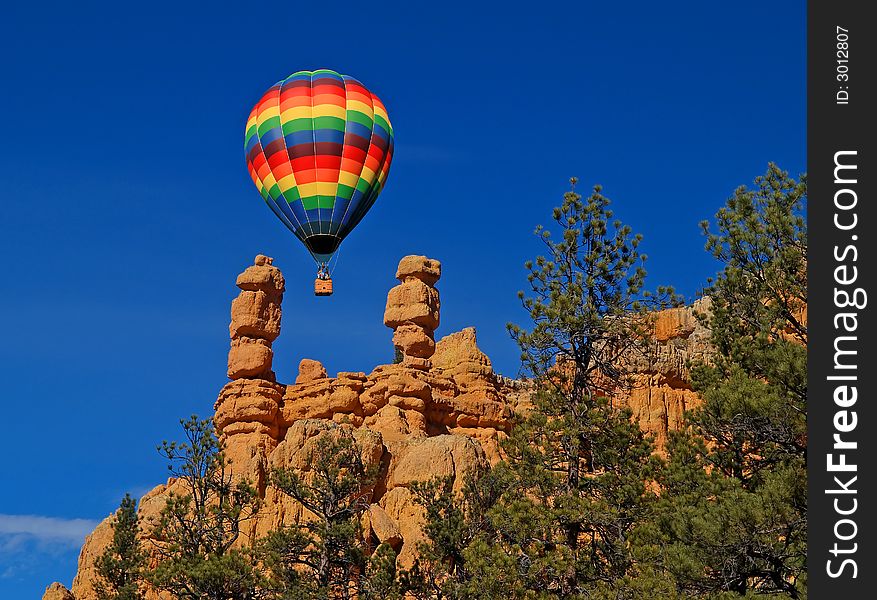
x: 660, y: 392
x: 441, y: 411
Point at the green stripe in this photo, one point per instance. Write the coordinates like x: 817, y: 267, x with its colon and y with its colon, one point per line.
x: 269, y: 124
x: 250, y: 133
x: 298, y: 125
x: 291, y: 195
x: 312, y: 202
x: 361, y: 118
x: 329, y: 123
x: 345, y: 192
x: 382, y: 122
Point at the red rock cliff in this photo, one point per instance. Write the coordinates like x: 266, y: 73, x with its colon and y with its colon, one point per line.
x: 440, y: 412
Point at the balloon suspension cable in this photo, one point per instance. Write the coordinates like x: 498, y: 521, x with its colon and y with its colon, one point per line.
x: 337, y: 257
x: 313, y: 256
x: 324, y: 270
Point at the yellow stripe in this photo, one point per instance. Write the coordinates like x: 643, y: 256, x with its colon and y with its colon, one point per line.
x: 330, y: 110
x: 286, y: 183
x: 269, y: 181
x: 368, y: 175
x: 327, y: 188
x: 348, y: 179
x: 362, y: 107
x: 268, y: 112
x: 306, y: 190
x: 382, y: 113
x: 296, y: 112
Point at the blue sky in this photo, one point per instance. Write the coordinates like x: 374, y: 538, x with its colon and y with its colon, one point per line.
x: 127, y: 210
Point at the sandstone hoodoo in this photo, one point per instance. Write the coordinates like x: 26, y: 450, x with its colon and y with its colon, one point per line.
x: 56, y: 591
x: 255, y: 320
x: 413, y: 310
x: 439, y: 412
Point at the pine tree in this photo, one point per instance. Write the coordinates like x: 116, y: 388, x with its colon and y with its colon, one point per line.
x: 325, y: 555
x: 459, y: 558
x: 381, y: 581
x: 196, y: 531
x: 573, y: 487
x: 579, y: 462
x: 120, y: 567
x: 733, y: 511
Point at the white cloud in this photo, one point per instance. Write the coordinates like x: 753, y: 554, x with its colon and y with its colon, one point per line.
x: 31, y: 544
x: 52, y: 530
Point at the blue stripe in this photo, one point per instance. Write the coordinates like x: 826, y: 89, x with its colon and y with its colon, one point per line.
x: 298, y: 138
x: 358, y: 129
x: 275, y: 133
x: 341, y: 210
x: 295, y: 208
x: 355, y: 201
x: 329, y: 135
x: 381, y: 132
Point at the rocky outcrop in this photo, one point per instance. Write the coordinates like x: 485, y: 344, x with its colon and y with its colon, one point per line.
x: 248, y: 407
x: 413, y: 310
x: 441, y: 411
x: 56, y: 591
x: 255, y: 320
x: 659, y: 391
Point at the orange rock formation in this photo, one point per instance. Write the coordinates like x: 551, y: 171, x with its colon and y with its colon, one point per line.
x: 440, y: 412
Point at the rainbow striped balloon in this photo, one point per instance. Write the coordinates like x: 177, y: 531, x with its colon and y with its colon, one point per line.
x: 318, y: 147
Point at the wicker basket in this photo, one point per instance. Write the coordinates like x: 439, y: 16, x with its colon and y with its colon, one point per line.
x: 323, y: 287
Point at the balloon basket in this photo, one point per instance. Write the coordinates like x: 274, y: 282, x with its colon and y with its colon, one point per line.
x: 322, y: 287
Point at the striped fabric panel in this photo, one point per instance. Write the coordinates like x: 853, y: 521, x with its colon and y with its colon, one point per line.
x: 318, y: 147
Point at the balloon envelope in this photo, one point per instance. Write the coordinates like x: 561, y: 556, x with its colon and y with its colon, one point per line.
x: 318, y: 147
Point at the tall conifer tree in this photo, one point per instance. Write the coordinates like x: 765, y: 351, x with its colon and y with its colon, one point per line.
x: 733, y: 514
x: 120, y: 567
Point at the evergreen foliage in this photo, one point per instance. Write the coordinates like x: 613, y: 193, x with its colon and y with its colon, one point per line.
x: 581, y: 506
x: 554, y: 520
x: 120, y: 567
x: 195, y: 532
x: 325, y: 555
x: 733, y: 513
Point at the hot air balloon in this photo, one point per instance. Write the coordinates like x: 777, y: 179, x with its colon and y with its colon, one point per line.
x: 318, y: 147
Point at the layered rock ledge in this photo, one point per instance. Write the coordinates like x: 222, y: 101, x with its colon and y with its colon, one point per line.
x: 440, y: 411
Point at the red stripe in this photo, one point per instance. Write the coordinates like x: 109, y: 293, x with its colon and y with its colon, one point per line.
x: 277, y: 159
x: 351, y: 166
x: 373, y: 151
x: 354, y: 153
x: 327, y: 161
x: 282, y: 169
x: 373, y: 163
x: 302, y: 163
x: 258, y: 160
x: 332, y: 99
x: 305, y: 176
